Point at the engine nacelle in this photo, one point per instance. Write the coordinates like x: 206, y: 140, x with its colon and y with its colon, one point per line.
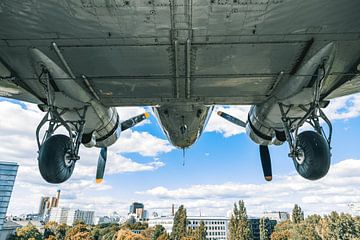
x: 104, y: 126
x: 258, y: 131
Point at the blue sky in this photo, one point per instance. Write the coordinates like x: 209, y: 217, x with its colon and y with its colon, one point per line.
x: 222, y: 167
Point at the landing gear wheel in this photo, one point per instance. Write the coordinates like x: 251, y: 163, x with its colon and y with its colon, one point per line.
x: 313, y: 160
x: 54, y: 165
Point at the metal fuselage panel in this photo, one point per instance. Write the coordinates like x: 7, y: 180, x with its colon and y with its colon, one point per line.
x: 153, y: 52
x: 183, y: 123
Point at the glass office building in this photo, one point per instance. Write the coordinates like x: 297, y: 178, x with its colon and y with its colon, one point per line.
x: 8, y: 173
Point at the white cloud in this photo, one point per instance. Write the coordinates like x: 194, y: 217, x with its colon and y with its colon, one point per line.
x: 344, y: 107
x: 220, y: 125
x: 143, y: 143
x: 338, y: 189
x: 129, y: 112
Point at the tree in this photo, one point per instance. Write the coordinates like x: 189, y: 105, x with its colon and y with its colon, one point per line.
x: 60, y: 231
x: 297, y: 214
x: 159, y: 230
x: 78, y: 232
x: 200, y: 231
x: 239, y: 228
x: 264, y: 229
x: 163, y: 236
x: 179, y: 226
x: 282, y: 231
x: 125, y: 234
x: 28, y: 232
x: 51, y: 237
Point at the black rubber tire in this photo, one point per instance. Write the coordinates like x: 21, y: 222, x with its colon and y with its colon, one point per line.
x: 317, y: 156
x: 51, y: 160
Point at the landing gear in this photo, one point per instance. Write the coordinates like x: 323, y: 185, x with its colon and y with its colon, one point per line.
x: 310, y: 150
x: 58, y: 153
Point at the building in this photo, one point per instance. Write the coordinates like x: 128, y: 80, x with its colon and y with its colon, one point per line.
x: 135, y: 206
x: 216, y: 227
x: 137, y: 213
x: 8, y: 173
x: 255, y: 227
x: 59, y: 215
x: 9, y: 228
x: 277, y: 216
x: 46, y: 204
x: 114, y: 217
x: 80, y: 215
x: 166, y: 222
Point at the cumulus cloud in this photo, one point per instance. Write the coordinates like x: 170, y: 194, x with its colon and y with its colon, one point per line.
x: 220, y: 125
x: 344, y: 107
x: 338, y: 189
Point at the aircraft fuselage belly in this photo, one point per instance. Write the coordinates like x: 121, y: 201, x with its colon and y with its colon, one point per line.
x: 183, y: 123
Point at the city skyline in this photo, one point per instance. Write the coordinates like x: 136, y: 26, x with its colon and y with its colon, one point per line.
x: 220, y: 169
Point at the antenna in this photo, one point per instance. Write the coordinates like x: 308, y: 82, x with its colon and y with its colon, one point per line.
x: 184, y: 157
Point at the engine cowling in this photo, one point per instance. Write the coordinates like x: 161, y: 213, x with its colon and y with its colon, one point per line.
x: 103, y: 128
x: 259, y: 131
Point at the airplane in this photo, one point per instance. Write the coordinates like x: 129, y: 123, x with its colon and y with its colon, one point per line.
x: 78, y: 60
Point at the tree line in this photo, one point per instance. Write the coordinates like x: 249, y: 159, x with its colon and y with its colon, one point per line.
x: 334, y: 226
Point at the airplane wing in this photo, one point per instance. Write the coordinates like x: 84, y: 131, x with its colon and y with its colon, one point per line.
x: 157, y: 51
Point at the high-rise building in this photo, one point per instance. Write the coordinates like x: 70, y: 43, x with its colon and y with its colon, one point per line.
x: 59, y: 215
x: 80, y: 215
x: 135, y: 206
x: 8, y: 173
x: 44, y: 205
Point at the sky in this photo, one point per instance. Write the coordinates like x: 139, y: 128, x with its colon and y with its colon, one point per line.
x: 218, y: 170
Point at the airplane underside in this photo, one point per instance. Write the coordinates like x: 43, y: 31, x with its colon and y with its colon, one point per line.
x: 80, y: 60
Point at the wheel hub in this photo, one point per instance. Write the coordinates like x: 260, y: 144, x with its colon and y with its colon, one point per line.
x: 300, y: 156
x: 68, y: 160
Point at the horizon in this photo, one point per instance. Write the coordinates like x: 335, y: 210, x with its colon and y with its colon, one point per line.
x: 220, y: 169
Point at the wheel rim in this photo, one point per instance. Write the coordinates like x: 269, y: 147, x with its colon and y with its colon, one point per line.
x: 68, y: 161
x: 300, y: 156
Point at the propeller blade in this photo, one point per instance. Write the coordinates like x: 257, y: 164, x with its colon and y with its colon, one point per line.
x: 133, y: 121
x: 232, y: 119
x: 266, y: 162
x: 101, y: 165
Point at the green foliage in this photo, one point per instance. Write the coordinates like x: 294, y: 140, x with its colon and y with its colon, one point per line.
x: 60, y: 231
x: 239, y: 228
x: 330, y: 227
x: 297, y: 214
x: 78, y: 232
x: 179, y: 227
x: 159, y: 230
x: 135, y: 226
x: 264, y: 229
x: 105, y: 231
x: 200, y: 232
x: 28, y: 232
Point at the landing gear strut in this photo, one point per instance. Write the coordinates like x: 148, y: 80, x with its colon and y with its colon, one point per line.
x: 58, y: 153
x: 310, y: 150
